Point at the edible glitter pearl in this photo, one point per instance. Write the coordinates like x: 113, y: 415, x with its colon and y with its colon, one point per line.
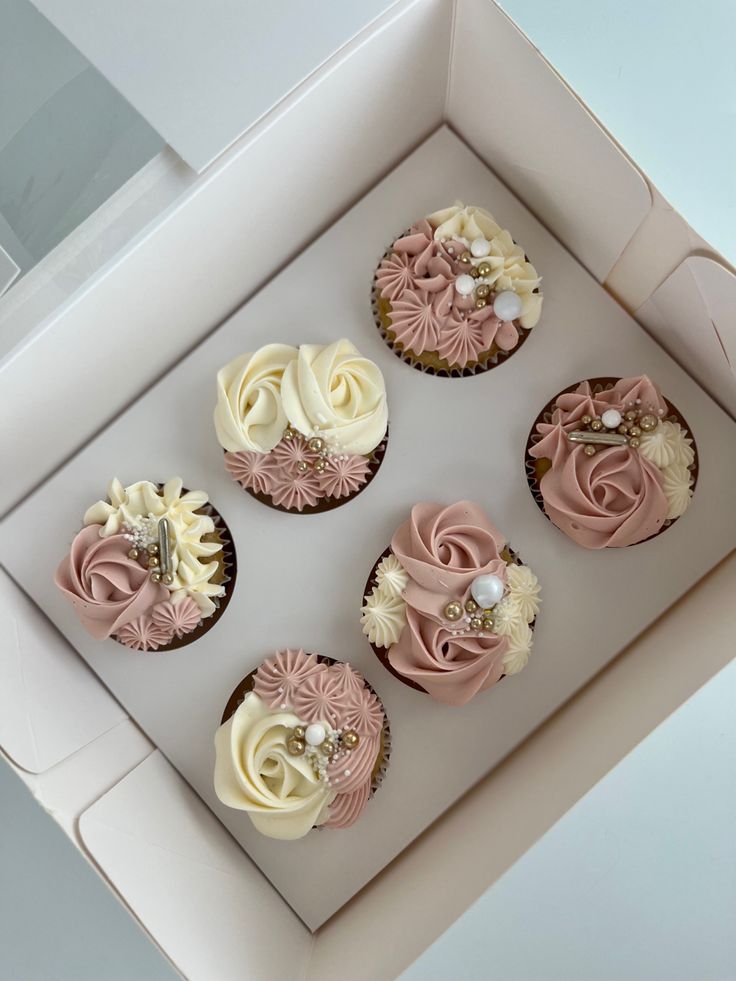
x: 480, y: 247
x: 486, y: 591
x: 464, y: 285
x: 611, y: 418
x: 507, y: 305
x: 315, y: 734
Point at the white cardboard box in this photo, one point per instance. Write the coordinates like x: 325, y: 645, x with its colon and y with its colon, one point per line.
x: 165, y: 853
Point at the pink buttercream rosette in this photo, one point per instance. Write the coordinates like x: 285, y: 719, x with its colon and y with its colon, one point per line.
x: 443, y: 550
x: 614, y: 498
x: 114, y: 596
x: 319, y: 689
x: 423, y: 318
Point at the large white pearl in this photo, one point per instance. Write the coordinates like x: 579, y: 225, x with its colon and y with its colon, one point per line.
x: 465, y: 284
x: 480, y: 247
x: 315, y: 734
x: 611, y: 418
x: 486, y: 591
x: 507, y: 305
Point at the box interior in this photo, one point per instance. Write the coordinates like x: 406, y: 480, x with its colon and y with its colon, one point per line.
x: 449, y: 439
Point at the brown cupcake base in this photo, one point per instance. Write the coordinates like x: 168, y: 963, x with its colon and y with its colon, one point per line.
x: 536, y: 469
x: 247, y: 684
x: 375, y: 459
x: 226, y: 575
x: 508, y: 555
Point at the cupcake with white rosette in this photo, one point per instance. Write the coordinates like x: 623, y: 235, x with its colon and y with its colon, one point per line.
x: 449, y: 608
x: 455, y: 295
x: 304, y: 429
x: 153, y: 568
x: 304, y: 743
x: 611, y: 462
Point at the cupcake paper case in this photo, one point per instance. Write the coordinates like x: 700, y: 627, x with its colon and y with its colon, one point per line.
x: 303, y: 743
x: 455, y: 294
x: 611, y: 462
x: 153, y: 568
x: 304, y: 429
x: 449, y: 607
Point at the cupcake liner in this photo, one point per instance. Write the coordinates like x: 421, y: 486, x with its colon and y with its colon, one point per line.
x: 508, y: 555
x: 430, y: 363
x: 375, y: 459
x: 225, y: 575
x: 535, y: 469
x: 381, y: 765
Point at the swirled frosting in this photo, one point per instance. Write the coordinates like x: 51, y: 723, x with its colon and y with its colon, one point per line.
x: 623, y: 494
x: 333, y: 389
x: 294, y: 689
x: 383, y: 617
x: 428, y: 311
x: 250, y: 412
x: 106, y: 588
x: 446, y: 644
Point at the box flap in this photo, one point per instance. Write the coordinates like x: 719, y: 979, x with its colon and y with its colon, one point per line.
x: 541, y: 140
x: 693, y: 316
x: 186, y: 879
x: 51, y: 704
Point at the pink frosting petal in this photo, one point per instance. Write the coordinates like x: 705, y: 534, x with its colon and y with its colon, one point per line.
x: 254, y: 471
x: 287, y: 454
x: 279, y: 678
x: 347, y: 808
x: 415, y: 322
x: 143, y: 634
x: 178, y: 618
x: 106, y: 588
x: 394, y: 275
x: 320, y: 698
x: 296, y: 492
x: 363, y: 712
x: 344, y: 475
x: 452, y: 669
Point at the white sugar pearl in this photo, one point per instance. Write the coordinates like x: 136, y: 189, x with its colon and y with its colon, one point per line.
x: 611, y: 418
x: 315, y: 734
x: 486, y: 591
x: 480, y: 247
x: 464, y: 285
x: 507, y: 305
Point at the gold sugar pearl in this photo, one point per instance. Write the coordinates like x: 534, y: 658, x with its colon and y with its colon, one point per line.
x: 289, y: 434
x: 634, y: 442
x: 488, y: 623
x: 466, y: 258
x: 596, y: 425
x: 623, y: 429
x: 474, y: 272
x: 589, y: 449
x: 586, y: 420
x: 155, y: 577
x: 634, y: 431
x: 453, y: 610
x: 648, y: 422
x: 299, y: 732
x: 488, y: 613
x: 350, y: 739
x: 471, y: 606
x: 631, y: 415
x: 316, y: 444
x: 296, y: 746
x: 319, y: 465
x: 483, y: 291
x: 476, y: 623
x: 167, y: 579
x: 152, y: 561
x: 484, y: 269
x: 302, y: 466
x: 133, y: 553
x: 480, y: 303
x: 328, y: 747
x: 152, y: 549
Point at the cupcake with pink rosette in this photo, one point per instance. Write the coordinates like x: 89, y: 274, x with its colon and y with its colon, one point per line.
x: 455, y: 295
x: 449, y: 608
x: 304, y: 743
x: 611, y: 462
x: 153, y: 568
x: 303, y: 429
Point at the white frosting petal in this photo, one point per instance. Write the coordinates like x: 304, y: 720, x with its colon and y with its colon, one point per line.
x: 460, y: 222
x: 677, y: 481
x: 523, y: 588
x: 667, y: 444
x: 337, y: 391
x: 520, y: 641
x: 249, y: 414
x: 383, y: 617
x: 391, y: 576
x: 255, y: 772
x: 507, y: 616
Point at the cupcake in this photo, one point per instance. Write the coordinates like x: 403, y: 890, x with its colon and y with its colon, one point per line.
x: 304, y: 743
x: 449, y: 607
x: 153, y: 568
x: 611, y: 462
x: 304, y: 429
x: 455, y: 295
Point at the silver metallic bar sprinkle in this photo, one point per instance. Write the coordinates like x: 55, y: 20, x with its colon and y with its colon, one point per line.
x: 603, y: 439
x: 164, y: 555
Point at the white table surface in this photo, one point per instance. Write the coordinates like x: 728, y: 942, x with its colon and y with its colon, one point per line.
x: 655, y: 838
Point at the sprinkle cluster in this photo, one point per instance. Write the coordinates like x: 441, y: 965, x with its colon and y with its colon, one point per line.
x: 323, y: 747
